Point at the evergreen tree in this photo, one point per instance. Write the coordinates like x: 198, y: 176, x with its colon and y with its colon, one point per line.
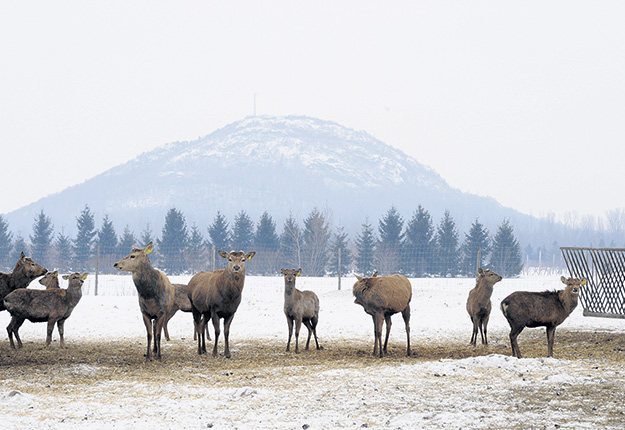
x: 419, y: 243
x: 242, y: 232
x: 83, y: 244
x: 218, y: 234
x: 341, y: 242
x: 365, y: 248
x: 19, y: 246
x: 447, y: 246
x: 291, y: 243
x: 127, y: 241
x: 506, y: 258
x: 476, y: 241
x: 266, y: 245
x: 63, y: 245
x: 174, y: 243
x: 388, y: 250
x: 41, y: 239
x: 146, y: 237
x: 315, y: 241
x: 107, y: 242
x: 196, y: 251
x: 6, y: 244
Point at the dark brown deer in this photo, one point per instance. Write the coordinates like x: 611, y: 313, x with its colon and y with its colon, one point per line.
x: 299, y: 307
x: 382, y: 297
x: 25, y: 271
x: 53, y: 305
x: 217, y: 295
x: 479, y: 305
x: 546, y: 309
x: 156, y: 294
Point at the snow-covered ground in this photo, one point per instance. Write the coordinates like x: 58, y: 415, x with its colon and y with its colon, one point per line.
x: 484, y: 388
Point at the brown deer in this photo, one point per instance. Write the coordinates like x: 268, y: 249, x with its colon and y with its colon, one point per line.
x: 382, y: 297
x: 545, y: 309
x: 50, y: 280
x: 182, y: 302
x: 25, y: 271
x: 479, y: 305
x: 53, y: 305
x: 299, y: 307
x: 217, y: 295
x: 156, y: 294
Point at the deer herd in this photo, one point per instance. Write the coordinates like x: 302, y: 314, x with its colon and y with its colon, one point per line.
x: 215, y: 296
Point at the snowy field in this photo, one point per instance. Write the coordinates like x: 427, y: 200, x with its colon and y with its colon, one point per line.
x: 101, y: 380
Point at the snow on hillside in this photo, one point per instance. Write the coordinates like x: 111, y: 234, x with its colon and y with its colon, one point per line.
x: 475, y: 392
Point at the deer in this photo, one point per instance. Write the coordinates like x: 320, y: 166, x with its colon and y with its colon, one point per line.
x: 479, y: 305
x: 53, y: 305
x: 299, y: 307
x: 25, y: 271
x: 543, y: 309
x: 156, y: 294
x: 381, y: 297
x: 217, y: 295
x: 51, y: 280
x: 182, y: 302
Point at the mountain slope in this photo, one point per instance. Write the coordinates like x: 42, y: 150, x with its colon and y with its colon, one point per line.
x: 280, y: 165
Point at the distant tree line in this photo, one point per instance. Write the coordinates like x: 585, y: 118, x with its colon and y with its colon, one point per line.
x: 417, y: 247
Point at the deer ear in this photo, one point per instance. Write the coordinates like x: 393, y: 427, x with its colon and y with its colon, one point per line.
x: 584, y: 282
x: 56, y: 273
x: 282, y: 271
x: 66, y: 277
x: 563, y: 279
x: 148, y: 248
x: 250, y: 254
x: 299, y: 272
x: 84, y: 276
x: 358, y: 277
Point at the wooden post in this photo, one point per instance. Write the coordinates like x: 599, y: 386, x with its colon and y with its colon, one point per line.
x: 339, y: 271
x: 97, y: 269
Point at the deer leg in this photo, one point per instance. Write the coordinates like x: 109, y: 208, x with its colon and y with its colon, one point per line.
x: 198, y: 329
x: 148, y: 327
x: 387, y: 319
x: 13, y: 329
x: 514, y: 333
x: 61, y: 327
x: 378, y: 321
x: 208, y: 335
x: 485, y: 328
x: 158, y: 329
x: 227, y: 322
x: 215, y: 319
x: 406, y: 316
x: 551, y: 331
x: 310, y: 331
x: 475, y: 328
x: 289, y: 322
x: 298, y: 325
x: 51, y: 324
x: 313, y: 324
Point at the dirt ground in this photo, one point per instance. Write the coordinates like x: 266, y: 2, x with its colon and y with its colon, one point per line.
x: 341, y: 385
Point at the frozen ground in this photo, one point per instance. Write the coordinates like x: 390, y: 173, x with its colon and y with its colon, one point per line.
x: 100, y: 380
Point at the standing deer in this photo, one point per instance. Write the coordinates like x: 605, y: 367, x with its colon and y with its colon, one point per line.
x: 382, y: 297
x: 156, y: 294
x: 478, y: 303
x: 546, y: 309
x: 25, y: 271
x: 299, y: 307
x: 50, y: 280
x: 217, y: 295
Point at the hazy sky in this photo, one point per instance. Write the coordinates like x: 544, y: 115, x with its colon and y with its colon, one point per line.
x: 521, y: 101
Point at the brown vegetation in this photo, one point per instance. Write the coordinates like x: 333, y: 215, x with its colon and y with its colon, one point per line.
x: 299, y: 307
x: 479, y: 305
x: 217, y: 295
x: 544, y: 309
x: 156, y: 294
x: 52, y: 305
x: 382, y: 297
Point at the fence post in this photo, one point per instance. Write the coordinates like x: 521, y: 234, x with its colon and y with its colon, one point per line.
x: 339, y: 271
x: 213, y: 258
x: 97, y: 269
x: 479, y: 258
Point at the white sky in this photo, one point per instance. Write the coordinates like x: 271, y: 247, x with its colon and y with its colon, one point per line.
x: 521, y: 101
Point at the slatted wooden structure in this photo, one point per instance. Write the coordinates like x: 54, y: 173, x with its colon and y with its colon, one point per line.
x: 604, y: 270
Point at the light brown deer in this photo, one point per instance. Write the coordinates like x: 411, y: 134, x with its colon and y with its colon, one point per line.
x: 299, y: 307
x: 182, y: 302
x: 479, y: 305
x: 382, y: 297
x: 156, y: 294
x: 50, y: 280
x: 216, y: 295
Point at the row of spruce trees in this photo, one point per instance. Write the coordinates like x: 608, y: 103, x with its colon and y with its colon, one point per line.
x: 416, y: 248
